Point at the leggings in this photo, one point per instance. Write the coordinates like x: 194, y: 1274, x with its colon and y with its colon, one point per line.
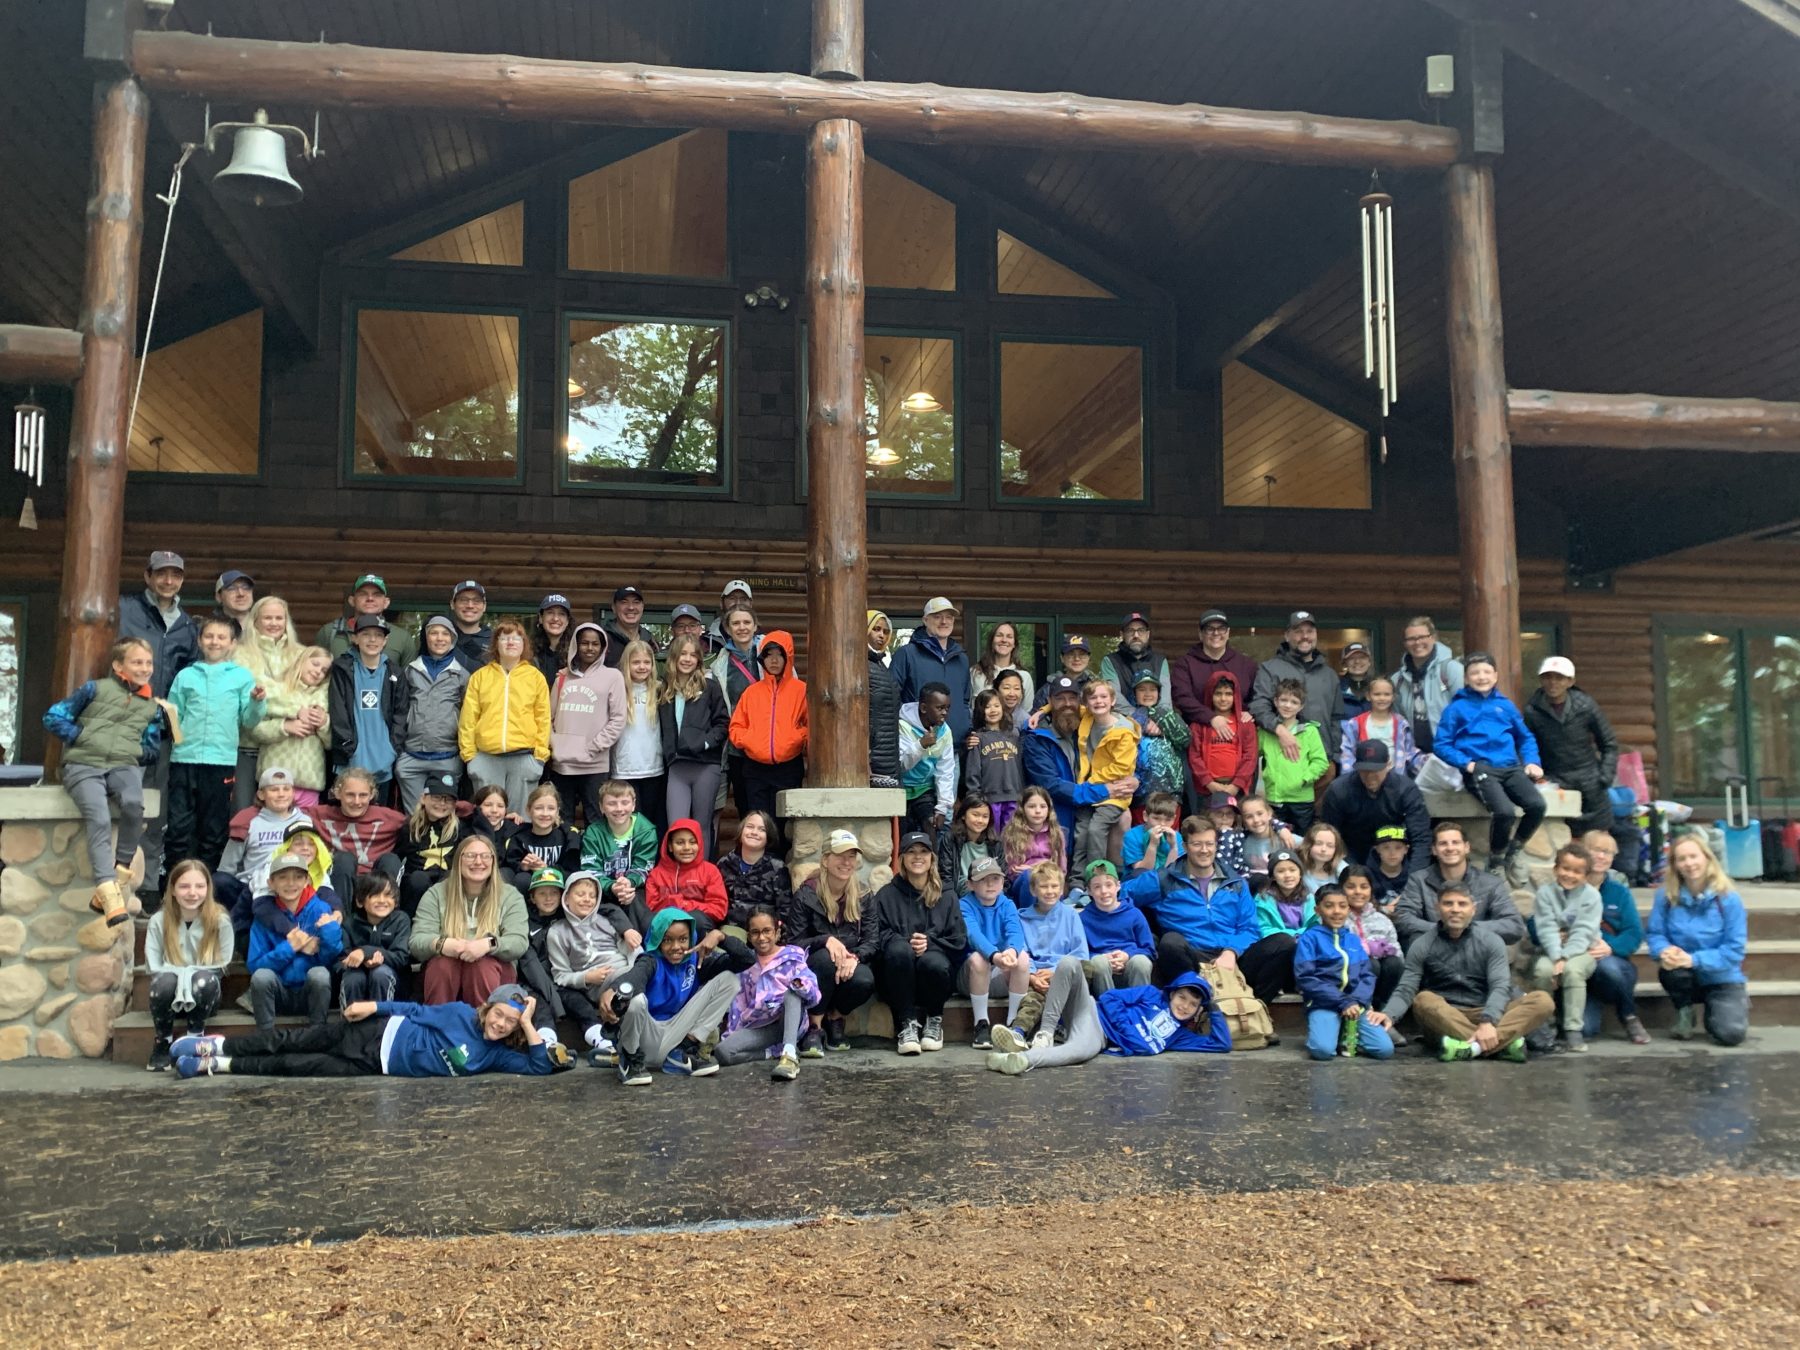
x: 336, y: 1050
x: 1500, y: 789
x: 1068, y: 1004
x: 748, y: 1043
x: 840, y: 997
x: 692, y: 790
x: 197, y: 1001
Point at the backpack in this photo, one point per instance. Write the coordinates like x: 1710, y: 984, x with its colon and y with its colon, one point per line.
x: 1246, y: 1016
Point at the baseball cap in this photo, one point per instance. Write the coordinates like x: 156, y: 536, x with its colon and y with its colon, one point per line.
x: 164, y: 557
x: 740, y: 585
x: 1558, y: 665
x: 940, y: 604
x: 1135, y: 616
x: 363, y: 622
x: 275, y: 776
x: 1301, y: 616
x: 684, y: 612
x: 231, y: 578
x: 914, y: 839
x: 986, y: 867
x: 1355, y: 647
x: 547, y: 876
x: 1217, y: 800
x: 1100, y: 865
x: 302, y: 826
x: 1145, y: 676
x: 555, y: 600
x: 285, y: 861
x: 469, y: 585
x: 369, y: 579
x: 1074, y: 642
x: 1284, y: 855
x: 1063, y: 684
x: 514, y: 996
x: 625, y: 591
x: 1371, y: 754
x: 1214, y: 616
x: 439, y: 785
x: 842, y: 841
x: 1391, y: 833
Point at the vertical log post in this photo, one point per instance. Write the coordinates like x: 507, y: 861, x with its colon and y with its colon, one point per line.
x: 837, y: 39
x: 836, y: 516
x: 1484, y: 489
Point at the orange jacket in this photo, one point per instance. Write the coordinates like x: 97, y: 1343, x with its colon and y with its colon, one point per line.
x: 769, y: 722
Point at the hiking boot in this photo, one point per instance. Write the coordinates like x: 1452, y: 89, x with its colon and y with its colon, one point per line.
x: 160, y: 1058
x: 812, y: 1045
x: 933, y: 1039
x: 836, y: 1038
x: 907, y: 1042
x: 1518, y: 866
x: 631, y: 1070
x: 1514, y: 1051
x: 1011, y: 1062
x: 1635, y: 1030
x: 786, y: 1069
x: 561, y: 1061
x: 107, y: 899
x: 1684, y: 1029
x: 1453, y: 1049
x: 1574, y: 1042
x: 983, y: 1038
x: 197, y: 1046
x: 1008, y: 1040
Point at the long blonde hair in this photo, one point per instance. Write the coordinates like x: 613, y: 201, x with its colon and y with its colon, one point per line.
x: 689, y: 687
x: 652, y: 686
x: 1714, y: 882
x: 1015, y: 839
x: 212, y: 917
x: 418, y: 824
x: 849, y: 905
x: 931, y: 890
x: 290, y: 681
x: 484, y: 915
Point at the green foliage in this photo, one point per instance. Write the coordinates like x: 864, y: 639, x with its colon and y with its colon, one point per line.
x: 651, y: 401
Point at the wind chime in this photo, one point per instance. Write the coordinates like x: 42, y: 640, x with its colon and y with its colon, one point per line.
x: 28, y: 453
x: 1380, y: 359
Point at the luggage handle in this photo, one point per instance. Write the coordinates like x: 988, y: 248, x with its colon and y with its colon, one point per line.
x: 1737, y: 803
x: 1781, y: 795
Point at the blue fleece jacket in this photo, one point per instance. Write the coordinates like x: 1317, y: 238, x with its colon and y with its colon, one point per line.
x: 1048, y: 767
x: 992, y: 928
x: 1483, y: 729
x: 1332, y: 969
x: 445, y: 1041
x: 271, y: 952
x: 1710, y: 928
x: 1122, y: 929
x: 1224, y: 917
x: 1138, y: 1021
x: 1054, y: 935
x: 1620, y: 924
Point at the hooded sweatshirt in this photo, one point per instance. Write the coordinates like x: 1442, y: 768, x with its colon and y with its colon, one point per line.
x: 769, y: 722
x: 666, y: 987
x: 1324, y: 706
x: 1212, y: 758
x: 587, y: 711
x: 927, y: 759
x: 266, y: 910
x: 1484, y: 729
x: 1422, y: 694
x: 763, y: 989
x: 696, y: 887
x: 575, y: 946
x: 1189, y: 674
x: 1138, y: 1021
x: 1119, y: 929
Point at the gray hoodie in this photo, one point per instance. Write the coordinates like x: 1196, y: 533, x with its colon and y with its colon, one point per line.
x: 575, y: 946
x: 1565, y: 923
x: 587, y: 711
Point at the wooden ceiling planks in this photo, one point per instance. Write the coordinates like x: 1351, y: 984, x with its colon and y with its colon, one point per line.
x: 909, y: 233
x: 201, y: 407
x: 660, y: 212
x: 1317, y: 458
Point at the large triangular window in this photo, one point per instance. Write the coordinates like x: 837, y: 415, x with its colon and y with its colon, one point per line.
x: 909, y: 233
x: 1021, y: 270
x: 496, y: 239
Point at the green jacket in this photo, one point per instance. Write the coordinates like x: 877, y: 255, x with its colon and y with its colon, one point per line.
x: 106, y: 725
x: 429, y: 924
x: 1286, y: 780
x: 633, y: 856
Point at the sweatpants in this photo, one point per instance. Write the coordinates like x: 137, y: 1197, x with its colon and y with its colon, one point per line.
x: 1068, y: 1004
x: 1325, y: 1032
x: 838, y: 998
x: 516, y: 773
x: 1439, y: 1018
x: 197, y: 1001
x: 914, y: 987
x: 1612, y: 985
x: 270, y: 998
x: 1577, y: 971
x: 577, y: 789
x: 1727, y: 1005
x: 340, y: 1050
x: 410, y: 773
x: 692, y: 790
x: 1500, y: 789
x: 748, y: 1043
x: 155, y: 779
x: 1101, y: 975
x: 91, y: 788
x: 643, y: 1037
x: 450, y: 979
x: 1093, y: 833
x: 199, y: 813
x: 378, y: 983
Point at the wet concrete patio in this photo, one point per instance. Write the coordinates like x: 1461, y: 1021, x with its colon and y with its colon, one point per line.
x: 145, y: 1163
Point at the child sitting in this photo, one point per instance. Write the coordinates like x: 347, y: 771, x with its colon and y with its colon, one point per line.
x: 1052, y: 931
x: 362, y: 835
x: 1108, y: 747
x: 1033, y: 835
x: 992, y: 767
x: 1388, y: 870
x: 1140, y: 1021
x: 111, y: 728
x: 999, y: 958
x: 769, y: 1010
x: 683, y: 880
x: 1162, y: 739
x: 1564, y: 925
x: 430, y: 835
x: 1336, y: 983
x: 969, y: 839
x: 215, y: 701
x: 256, y: 833
x: 1284, y: 905
x: 1220, y: 766
x: 186, y: 949
x: 1322, y: 854
x: 621, y: 846
x: 1377, y: 933
x: 753, y: 876
x: 491, y: 815
x: 1482, y: 733
x: 543, y: 905
x: 1223, y: 812
x: 1264, y: 836
x: 293, y: 973
x: 590, y: 946
x: 668, y: 1004
x: 1288, y: 783
x: 377, y: 943
x: 1156, y: 843
x: 542, y: 841
x: 1121, y: 948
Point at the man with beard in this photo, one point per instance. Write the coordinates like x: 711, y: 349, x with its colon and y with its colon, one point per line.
x: 1299, y: 658
x: 1134, y: 655
x: 1052, y: 756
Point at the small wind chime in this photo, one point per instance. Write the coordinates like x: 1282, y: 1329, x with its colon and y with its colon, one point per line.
x: 1380, y: 360
x: 28, y: 453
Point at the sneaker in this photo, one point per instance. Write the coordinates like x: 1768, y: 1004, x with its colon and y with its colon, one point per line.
x: 1635, y: 1030
x: 1011, y: 1062
x: 984, y: 1036
x: 192, y: 1066
x: 1574, y: 1042
x: 836, y: 1038
x: 1453, y: 1049
x: 631, y: 1071
x: 195, y: 1046
x: 812, y: 1046
x: 1514, y: 1051
x: 1684, y: 1029
x: 907, y: 1042
x: 933, y: 1039
x: 678, y: 1063
x: 1045, y: 1038
x: 1008, y: 1040
x: 1518, y: 866
x: 701, y: 1061
x: 1400, y: 1042
x: 561, y: 1061
x: 599, y: 1057
x: 160, y: 1058
x: 786, y: 1069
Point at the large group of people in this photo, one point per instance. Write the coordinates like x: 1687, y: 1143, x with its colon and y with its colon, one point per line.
x: 1131, y: 855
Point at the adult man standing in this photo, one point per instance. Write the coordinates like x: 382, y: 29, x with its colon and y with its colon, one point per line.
x: 155, y: 615
x: 1427, y: 680
x: 1576, y: 745
x: 627, y: 625
x: 368, y: 595
x: 233, y: 594
x: 1190, y: 675
x: 468, y: 611
x: 1416, y: 912
x: 1372, y: 797
x: 1299, y: 658
x: 1458, y: 984
x: 1052, y: 754
x: 933, y: 656
x: 1133, y: 655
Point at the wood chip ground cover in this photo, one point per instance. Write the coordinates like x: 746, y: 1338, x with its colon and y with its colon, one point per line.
x: 1699, y: 1262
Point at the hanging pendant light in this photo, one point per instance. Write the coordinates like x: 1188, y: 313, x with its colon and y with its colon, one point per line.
x: 575, y: 390
x: 882, y: 456
x: 1380, y: 358
x: 28, y: 453
x: 920, y: 400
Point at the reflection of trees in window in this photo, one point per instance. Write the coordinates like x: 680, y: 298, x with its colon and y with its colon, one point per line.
x: 437, y: 394
x: 1774, y: 686
x: 11, y: 623
x: 1700, y: 684
x: 645, y: 401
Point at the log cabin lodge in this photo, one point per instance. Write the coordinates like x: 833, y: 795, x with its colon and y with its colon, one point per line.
x: 588, y: 313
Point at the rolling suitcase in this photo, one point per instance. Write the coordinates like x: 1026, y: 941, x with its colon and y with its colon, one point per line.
x: 1779, y: 836
x: 1743, y: 835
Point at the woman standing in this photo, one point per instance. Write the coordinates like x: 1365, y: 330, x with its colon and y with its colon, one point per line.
x: 884, y: 706
x: 503, y: 731
x: 736, y: 668
x: 694, y: 719
x: 269, y: 650
x: 550, y: 644
x: 921, y: 941
x: 1001, y: 653
x: 470, y: 929
x: 1697, y: 936
x: 827, y: 917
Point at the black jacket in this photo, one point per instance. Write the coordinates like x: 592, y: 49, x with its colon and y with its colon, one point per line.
x: 616, y: 642
x: 1349, y: 807
x: 175, y: 646
x: 562, y: 846
x: 900, y: 912
x: 395, y: 697
x: 704, y: 722
x: 747, y: 885
x: 1578, y: 747
x: 392, y: 937
x: 884, y: 720
x: 472, y: 648
x: 803, y: 923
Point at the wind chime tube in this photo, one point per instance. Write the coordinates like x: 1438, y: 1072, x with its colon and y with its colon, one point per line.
x: 1392, y: 382
x: 1382, y: 355
x: 1368, y: 317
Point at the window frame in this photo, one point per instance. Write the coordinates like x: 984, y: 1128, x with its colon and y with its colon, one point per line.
x: 1739, y: 629
x: 1144, y: 503
x: 22, y: 605
x: 1319, y: 515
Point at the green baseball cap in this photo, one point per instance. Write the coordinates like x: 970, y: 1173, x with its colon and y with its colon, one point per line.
x: 547, y: 876
x: 369, y: 579
x: 1102, y: 865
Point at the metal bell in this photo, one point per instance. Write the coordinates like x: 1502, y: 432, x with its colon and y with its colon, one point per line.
x: 258, y: 171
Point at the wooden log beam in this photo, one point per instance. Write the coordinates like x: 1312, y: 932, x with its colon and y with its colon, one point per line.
x: 1484, y: 487
x: 89, y: 608
x: 31, y: 355
x: 332, y: 75
x: 1650, y: 421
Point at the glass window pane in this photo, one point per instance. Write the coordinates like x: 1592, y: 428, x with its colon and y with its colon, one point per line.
x: 437, y: 394
x: 12, y: 638
x: 660, y: 212
x: 1071, y: 421
x: 494, y: 240
x: 909, y: 393
x: 1700, y: 732
x: 1774, y: 664
x: 201, y: 407
x: 1284, y: 450
x: 909, y: 233
x: 645, y: 402
x: 1022, y: 270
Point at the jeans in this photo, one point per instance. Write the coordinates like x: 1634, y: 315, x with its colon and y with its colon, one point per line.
x: 1612, y: 985
x: 1500, y: 789
x: 269, y: 997
x: 91, y: 789
x: 1101, y: 975
x: 1325, y: 1030
x: 1727, y: 1005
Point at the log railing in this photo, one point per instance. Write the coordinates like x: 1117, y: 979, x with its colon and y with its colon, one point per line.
x: 1650, y: 421
x: 31, y: 355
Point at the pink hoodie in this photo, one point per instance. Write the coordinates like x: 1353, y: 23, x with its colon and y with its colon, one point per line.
x: 587, y: 712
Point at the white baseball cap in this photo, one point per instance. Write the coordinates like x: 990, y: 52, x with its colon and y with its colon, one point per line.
x: 738, y: 584
x: 1558, y: 665
x: 939, y: 604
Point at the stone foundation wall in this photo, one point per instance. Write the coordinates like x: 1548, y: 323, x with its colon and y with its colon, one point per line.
x: 868, y: 813
x: 64, y: 975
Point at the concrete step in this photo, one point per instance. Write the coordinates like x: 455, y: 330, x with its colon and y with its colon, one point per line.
x: 134, y: 1036
x: 1765, y: 959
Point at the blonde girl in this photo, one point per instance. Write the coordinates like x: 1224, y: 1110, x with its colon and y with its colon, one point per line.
x: 186, y: 949
x: 269, y: 650
x: 432, y: 832
x: 638, y: 753
x: 693, y: 719
x: 295, y: 732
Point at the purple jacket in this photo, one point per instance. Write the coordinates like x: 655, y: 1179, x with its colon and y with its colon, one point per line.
x: 761, y: 989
